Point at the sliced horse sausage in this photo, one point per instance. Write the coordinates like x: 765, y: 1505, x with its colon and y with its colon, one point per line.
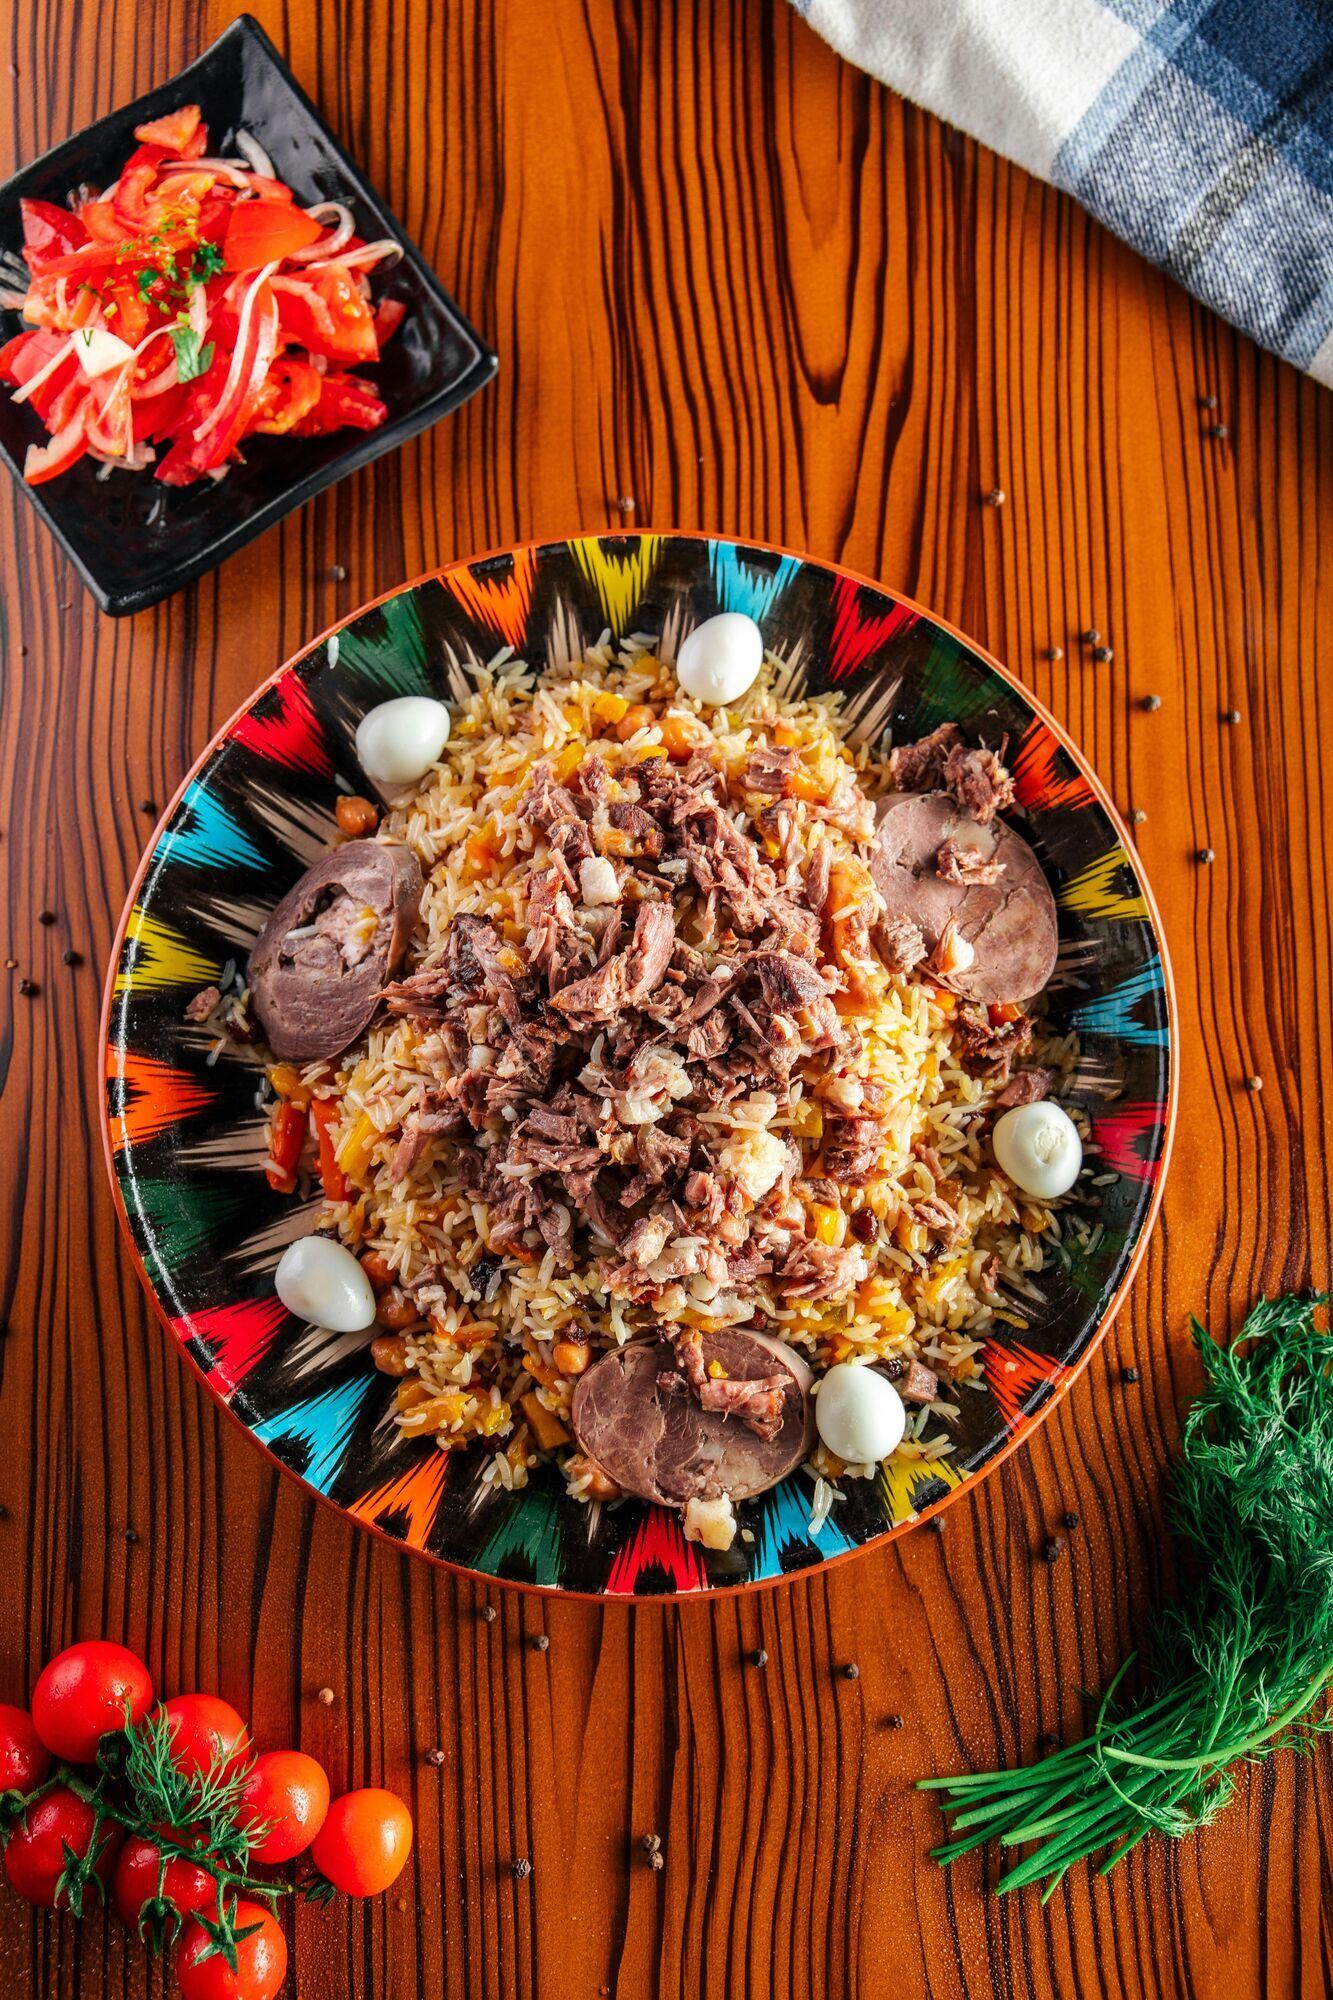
x: 1009, y: 922
x: 321, y: 961
x: 658, y: 1444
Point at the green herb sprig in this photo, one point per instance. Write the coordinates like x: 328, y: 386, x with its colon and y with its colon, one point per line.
x: 192, y: 1816
x: 1239, y: 1659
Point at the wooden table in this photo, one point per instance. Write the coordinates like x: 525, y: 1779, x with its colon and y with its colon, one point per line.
x: 732, y: 279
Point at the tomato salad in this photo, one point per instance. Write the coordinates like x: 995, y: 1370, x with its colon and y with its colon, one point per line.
x: 192, y: 305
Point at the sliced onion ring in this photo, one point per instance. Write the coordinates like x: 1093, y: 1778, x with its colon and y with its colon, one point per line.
x: 254, y: 153
x: 328, y: 246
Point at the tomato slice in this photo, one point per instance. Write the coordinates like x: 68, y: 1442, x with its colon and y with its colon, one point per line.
x: 130, y: 200
x: 99, y: 219
x: 263, y: 232
x: 49, y: 232
x: 175, y: 131
x: 346, y: 401
x: 40, y: 349
x: 327, y: 314
x: 47, y: 461
x: 11, y: 354
x: 290, y: 392
x: 389, y: 316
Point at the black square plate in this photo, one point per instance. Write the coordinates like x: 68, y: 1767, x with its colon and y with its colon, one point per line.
x: 133, y: 540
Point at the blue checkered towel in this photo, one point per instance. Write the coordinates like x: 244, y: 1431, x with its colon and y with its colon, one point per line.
x: 1199, y: 130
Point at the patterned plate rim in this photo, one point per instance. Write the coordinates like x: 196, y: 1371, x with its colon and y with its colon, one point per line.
x: 1023, y: 1433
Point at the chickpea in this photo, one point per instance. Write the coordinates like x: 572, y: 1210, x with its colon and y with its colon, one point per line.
x: 634, y: 719
x: 570, y: 1356
x: 356, y: 816
x: 389, y: 1354
x: 395, y: 1308
x: 377, y: 1269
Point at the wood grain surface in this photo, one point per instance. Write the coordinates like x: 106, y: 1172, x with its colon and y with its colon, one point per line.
x: 734, y: 281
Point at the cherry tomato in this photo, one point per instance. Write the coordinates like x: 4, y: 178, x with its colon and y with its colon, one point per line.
x: 138, y: 1872
x: 205, y: 1732
x: 24, y: 1758
x: 35, y: 1856
x: 85, y: 1691
x: 260, y: 232
x: 261, y: 1960
x: 290, y: 1790
x: 364, y: 1842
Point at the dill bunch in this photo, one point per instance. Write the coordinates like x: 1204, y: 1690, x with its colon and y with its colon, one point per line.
x: 1239, y: 1660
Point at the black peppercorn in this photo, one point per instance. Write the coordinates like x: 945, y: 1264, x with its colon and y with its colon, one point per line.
x: 1254, y: 1083
x: 1092, y: 637
x: 996, y: 497
x: 1071, y: 1519
x: 435, y: 1758
x: 540, y: 1643
x: 28, y: 987
x: 1130, y: 1375
x: 1102, y: 654
x: 651, y: 1842
x: 1218, y: 431
x: 148, y: 806
x: 1052, y: 1550
x: 488, y: 1614
x: 1205, y: 856
x: 337, y: 574
x: 520, y: 1869
x: 1231, y: 715
x: 1152, y: 702
x: 759, y: 1657
x: 851, y: 1672
x: 1139, y: 816
x: 46, y: 916
x: 1055, y: 652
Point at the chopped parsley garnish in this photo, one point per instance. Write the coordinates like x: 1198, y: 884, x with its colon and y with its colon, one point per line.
x: 191, y: 358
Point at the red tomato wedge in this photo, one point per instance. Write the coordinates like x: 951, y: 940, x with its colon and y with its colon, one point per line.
x: 264, y: 232
x: 175, y: 131
x: 345, y: 402
x: 49, y: 232
x: 289, y: 394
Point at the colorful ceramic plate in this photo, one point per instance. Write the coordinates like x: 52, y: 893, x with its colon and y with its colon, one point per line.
x: 187, y: 1142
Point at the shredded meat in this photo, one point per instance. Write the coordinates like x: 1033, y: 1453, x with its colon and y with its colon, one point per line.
x: 965, y: 864
x: 851, y: 1149
x: 817, y: 1271
x: 202, y: 1004
x: 919, y: 767
x: 1030, y: 1086
x: 990, y: 1047
x: 757, y: 1401
x: 769, y: 770
x: 941, y: 1219
x: 901, y: 945
x: 978, y: 782
x: 918, y: 1384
